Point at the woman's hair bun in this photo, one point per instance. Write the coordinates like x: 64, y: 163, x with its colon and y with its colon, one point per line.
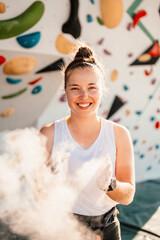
x: 84, y: 52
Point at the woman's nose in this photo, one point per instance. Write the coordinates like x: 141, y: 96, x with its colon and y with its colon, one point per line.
x: 84, y: 93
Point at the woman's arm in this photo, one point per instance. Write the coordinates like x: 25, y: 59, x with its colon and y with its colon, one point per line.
x: 48, y: 132
x: 124, y: 167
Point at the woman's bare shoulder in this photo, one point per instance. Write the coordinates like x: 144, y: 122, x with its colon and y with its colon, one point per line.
x: 47, y: 129
x: 122, y: 134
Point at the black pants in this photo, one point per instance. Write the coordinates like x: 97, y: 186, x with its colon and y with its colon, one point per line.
x: 111, y: 232
x: 105, y: 226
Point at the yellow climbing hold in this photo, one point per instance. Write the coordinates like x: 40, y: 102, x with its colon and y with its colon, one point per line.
x: 20, y: 65
x: 114, y: 75
x: 7, y: 112
x: 2, y: 7
x: 144, y: 57
x: 111, y: 12
x: 128, y: 112
x: 63, y: 45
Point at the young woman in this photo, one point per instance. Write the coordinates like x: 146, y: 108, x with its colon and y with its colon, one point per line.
x: 86, y: 136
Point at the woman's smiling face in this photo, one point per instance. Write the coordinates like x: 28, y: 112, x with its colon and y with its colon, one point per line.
x: 84, y: 91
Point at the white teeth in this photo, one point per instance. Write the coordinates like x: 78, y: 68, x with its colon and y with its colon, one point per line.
x: 84, y: 105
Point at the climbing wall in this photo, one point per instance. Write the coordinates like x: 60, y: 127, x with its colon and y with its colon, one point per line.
x: 125, y: 36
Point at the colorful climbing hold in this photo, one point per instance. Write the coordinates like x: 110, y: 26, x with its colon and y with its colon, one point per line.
x: 152, y: 118
x: 129, y: 26
x: 37, y: 89
x: 19, y: 65
x: 63, y: 98
x: 2, y: 60
x: 100, y: 21
x: 128, y: 112
x: 17, y: 25
x: 130, y: 55
x: 157, y: 124
x: 63, y: 45
x: 148, y: 73
x: 125, y: 87
x: 153, y: 81
x: 138, y: 16
x: 107, y: 52
x: 30, y: 40
x: 144, y: 57
x: 92, y: 1
x: 7, y: 112
x: 142, y: 155
x: 138, y: 112
x: 111, y: 12
x: 150, y: 97
x: 116, y: 120
x: 35, y: 81
x: 157, y: 146
x: 89, y: 18
x: 150, y: 148
x: 149, y: 168
x: 14, y: 94
x: 155, y: 51
x: 101, y: 41
x: 114, y: 75
x: 13, y: 81
x: 2, y: 7
x: 135, y: 141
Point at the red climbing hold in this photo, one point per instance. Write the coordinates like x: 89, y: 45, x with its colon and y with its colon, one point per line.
x: 155, y: 51
x: 157, y: 124
x: 148, y: 73
x: 2, y: 60
x: 35, y: 81
x: 138, y: 16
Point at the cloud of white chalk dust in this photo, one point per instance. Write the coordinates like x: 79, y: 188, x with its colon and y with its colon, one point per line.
x: 33, y: 201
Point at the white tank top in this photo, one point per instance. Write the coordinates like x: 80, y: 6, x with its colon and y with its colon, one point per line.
x: 82, y: 162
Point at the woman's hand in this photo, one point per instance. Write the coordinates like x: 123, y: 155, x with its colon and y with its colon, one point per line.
x: 105, y: 173
x: 60, y: 164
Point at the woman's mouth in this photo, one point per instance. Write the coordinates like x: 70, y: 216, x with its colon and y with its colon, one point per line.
x: 84, y: 105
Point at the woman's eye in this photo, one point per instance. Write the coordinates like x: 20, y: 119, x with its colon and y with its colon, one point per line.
x: 74, y: 88
x: 92, y: 88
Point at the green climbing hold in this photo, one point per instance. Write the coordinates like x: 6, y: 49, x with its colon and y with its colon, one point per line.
x: 15, y: 26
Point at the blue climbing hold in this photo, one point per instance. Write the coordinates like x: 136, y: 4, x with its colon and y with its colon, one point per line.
x: 138, y: 112
x: 125, y: 87
x: 135, y: 141
x: 149, y: 168
x: 37, y: 89
x: 152, y: 118
x: 150, y: 97
x: 92, y: 1
x: 13, y: 81
x: 30, y: 40
x: 89, y: 18
x: 142, y: 156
